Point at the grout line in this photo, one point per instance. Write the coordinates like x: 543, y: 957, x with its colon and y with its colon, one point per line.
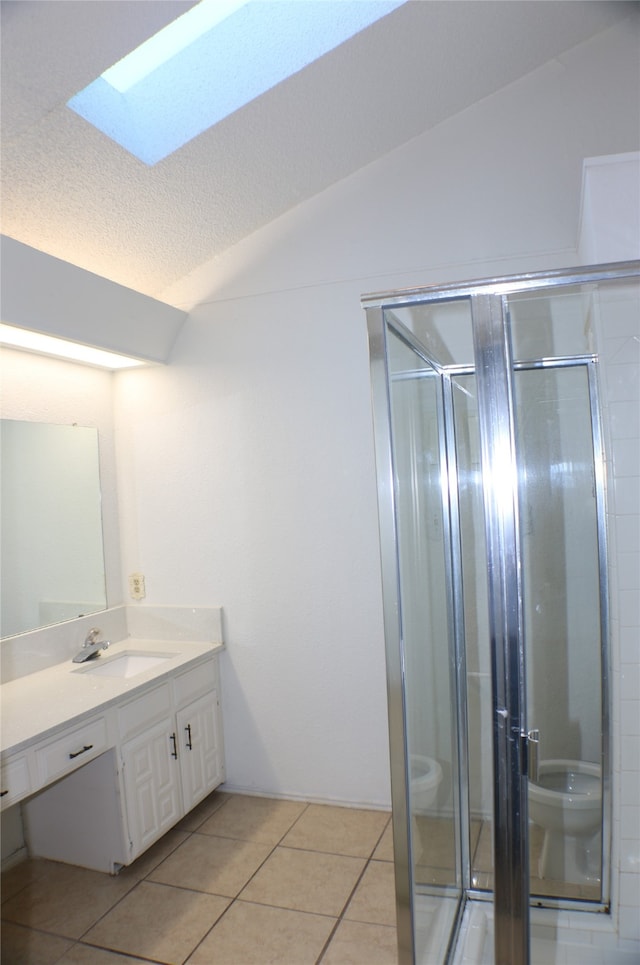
x: 251, y: 877
x: 333, y: 854
x: 135, y: 882
x: 113, y: 951
x: 341, y: 917
x: 326, y: 945
x: 110, y: 909
x: 41, y: 861
x: 145, y: 878
x: 232, y: 902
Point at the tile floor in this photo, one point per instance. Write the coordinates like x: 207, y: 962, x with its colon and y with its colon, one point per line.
x: 240, y: 880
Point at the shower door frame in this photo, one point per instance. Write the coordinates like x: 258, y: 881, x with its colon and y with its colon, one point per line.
x: 494, y: 369
x: 392, y: 610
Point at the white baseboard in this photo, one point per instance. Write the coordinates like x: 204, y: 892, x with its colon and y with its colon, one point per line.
x: 335, y: 802
x: 16, y: 858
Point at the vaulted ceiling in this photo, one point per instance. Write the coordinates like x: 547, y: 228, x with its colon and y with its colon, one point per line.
x: 71, y: 192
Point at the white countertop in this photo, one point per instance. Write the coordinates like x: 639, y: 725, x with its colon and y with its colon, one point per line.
x: 40, y: 703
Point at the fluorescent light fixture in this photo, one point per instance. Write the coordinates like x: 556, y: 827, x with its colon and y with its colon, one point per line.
x: 212, y: 61
x: 29, y: 341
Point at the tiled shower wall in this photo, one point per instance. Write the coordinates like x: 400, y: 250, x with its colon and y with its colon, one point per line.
x: 619, y: 349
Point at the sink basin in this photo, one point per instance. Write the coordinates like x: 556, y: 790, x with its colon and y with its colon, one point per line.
x: 126, y: 664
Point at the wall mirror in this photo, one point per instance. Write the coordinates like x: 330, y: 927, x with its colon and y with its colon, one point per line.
x: 51, y: 546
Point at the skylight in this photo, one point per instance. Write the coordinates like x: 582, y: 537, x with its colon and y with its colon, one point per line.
x: 169, y: 42
x: 210, y: 62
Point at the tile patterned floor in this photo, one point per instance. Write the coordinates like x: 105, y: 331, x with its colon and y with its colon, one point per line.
x: 240, y: 880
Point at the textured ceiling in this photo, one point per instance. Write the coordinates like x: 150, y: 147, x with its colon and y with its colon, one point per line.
x: 72, y: 193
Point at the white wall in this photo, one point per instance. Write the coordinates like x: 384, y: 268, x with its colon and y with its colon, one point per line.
x: 494, y: 189
x: 620, y: 353
x: 246, y: 472
x: 610, y: 217
x: 246, y: 467
x: 254, y: 486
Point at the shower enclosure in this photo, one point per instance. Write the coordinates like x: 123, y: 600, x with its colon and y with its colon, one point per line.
x: 491, y: 490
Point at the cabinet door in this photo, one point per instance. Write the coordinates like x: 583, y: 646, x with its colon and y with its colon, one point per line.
x: 14, y: 780
x: 151, y: 779
x: 200, y: 748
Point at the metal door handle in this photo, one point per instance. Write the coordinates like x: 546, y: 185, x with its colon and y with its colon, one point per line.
x: 533, y: 755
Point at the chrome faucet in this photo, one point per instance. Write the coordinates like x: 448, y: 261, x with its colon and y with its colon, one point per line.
x: 91, y: 646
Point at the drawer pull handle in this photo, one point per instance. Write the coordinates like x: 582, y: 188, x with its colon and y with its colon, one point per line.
x: 188, y: 730
x: 174, y: 752
x: 87, y: 747
x: 2, y: 793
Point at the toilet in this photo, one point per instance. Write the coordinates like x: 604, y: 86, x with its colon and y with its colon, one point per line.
x: 566, y: 801
x: 425, y: 778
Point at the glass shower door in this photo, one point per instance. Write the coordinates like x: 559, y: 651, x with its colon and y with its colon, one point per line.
x: 562, y: 624
x: 491, y: 483
x: 420, y: 642
x: 564, y: 588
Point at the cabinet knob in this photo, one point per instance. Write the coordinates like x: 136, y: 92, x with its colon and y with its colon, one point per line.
x: 188, y: 730
x: 174, y: 752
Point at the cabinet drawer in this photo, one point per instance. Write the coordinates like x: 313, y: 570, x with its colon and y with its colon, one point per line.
x: 72, y: 749
x: 194, y: 682
x: 15, y: 782
x: 140, y: 713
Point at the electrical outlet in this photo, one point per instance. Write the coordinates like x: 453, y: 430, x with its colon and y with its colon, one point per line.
x: 136, y: 586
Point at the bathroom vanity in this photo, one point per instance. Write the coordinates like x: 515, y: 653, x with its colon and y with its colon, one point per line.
x: 107, y: 756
